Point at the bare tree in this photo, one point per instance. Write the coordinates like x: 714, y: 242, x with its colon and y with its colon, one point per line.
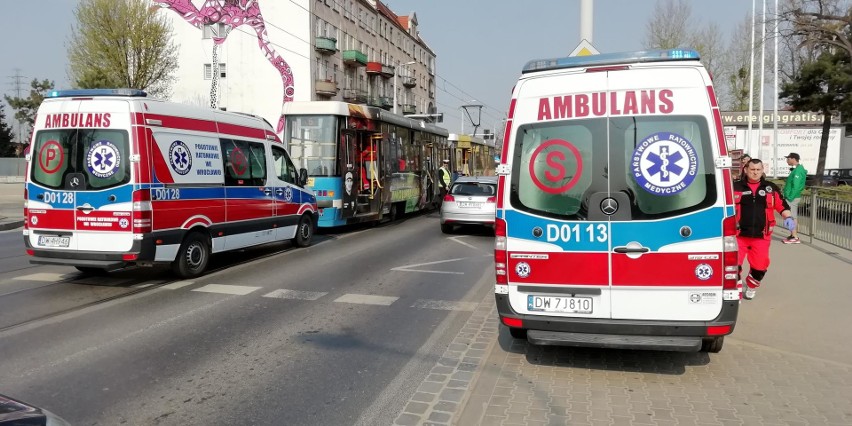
x: 821, y: 23
x: 670, y: 25
x: 121, y: 43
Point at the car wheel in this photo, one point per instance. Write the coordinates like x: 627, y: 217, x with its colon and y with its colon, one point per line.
x: 713, y: 345
x: 89, y: 270
x: 304, y: 232
x: 446, y: 228
x: 193, y: 256
x: 518, y: 333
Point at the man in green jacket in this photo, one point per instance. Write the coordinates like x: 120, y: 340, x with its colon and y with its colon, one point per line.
x: 793, y: 192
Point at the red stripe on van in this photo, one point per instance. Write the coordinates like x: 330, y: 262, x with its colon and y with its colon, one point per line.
x: 665, y: 269
x: 562, y: 268
x: 247, y: 132
x: 717, y: 118
x: 161, y: 168
x: 173, y: 122
x: 729, y: 186
x: 174, y: 214
x: 51, y: 218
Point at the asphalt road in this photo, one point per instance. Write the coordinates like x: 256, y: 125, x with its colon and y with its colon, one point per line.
x: 276, y: 336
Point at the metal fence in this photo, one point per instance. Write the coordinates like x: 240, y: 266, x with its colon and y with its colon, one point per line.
x: 13, y: 167
x: 827, y: 216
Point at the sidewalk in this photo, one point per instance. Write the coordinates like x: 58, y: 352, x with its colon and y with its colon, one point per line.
x: 788, y: 361
x: 11, y: 205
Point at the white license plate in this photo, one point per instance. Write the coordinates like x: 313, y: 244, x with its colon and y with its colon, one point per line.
x: 568, y: 305
x: 468, y: 205
x: 48, y: 241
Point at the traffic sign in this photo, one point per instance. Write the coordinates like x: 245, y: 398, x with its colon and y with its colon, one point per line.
x: 584, y: 49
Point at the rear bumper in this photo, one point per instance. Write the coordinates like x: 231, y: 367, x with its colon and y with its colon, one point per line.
x: 467, y: 219
x: 142, y: 249
x: 623, y: 334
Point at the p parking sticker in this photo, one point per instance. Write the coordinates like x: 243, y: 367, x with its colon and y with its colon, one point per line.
x: 180, y: 158
x: 51, y: 157
x: 664, y: 163
x: 103, y: 159
x: 562, y: 166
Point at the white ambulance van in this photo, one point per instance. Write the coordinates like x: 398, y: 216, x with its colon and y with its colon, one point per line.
x: 115, y: 178
x: 615, y: 219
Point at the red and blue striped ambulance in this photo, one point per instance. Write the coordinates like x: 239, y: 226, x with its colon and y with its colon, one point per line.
x: 615, y: 218
x: 115, y: 178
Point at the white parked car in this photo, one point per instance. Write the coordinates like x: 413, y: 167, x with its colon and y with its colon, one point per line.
x: 471, y: 200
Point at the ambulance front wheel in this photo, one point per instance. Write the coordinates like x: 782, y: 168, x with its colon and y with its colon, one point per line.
x: 305, y: 231
x: 192, y: 257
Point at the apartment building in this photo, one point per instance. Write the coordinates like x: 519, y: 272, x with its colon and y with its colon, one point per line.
x: 254, y: 59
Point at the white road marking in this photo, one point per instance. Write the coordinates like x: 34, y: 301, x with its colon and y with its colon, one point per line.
x: 366, y: 299
x: 456, y: 239
x: 240, y: 290
x: 42, y: 276
x: 145, y: 285
x: 409, y: 268
x: 295, y: 294
x: 444, y: 305
x: 177, y: 285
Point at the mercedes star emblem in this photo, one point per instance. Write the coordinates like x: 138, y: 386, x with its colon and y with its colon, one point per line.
x: 75, y: 182
x: 609, y: 206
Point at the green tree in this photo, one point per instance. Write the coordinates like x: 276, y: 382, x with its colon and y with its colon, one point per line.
x: 823, y: 85
x: 26, y: 108
x: 121, y: 43
x: 7, y: 148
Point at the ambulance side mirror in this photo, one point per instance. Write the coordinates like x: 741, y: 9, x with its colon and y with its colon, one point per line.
x: 303, y: 176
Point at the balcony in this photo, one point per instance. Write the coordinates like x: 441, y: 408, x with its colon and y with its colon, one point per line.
x: 388, y: 71
x: 326, y: 45
x: 409, y: 109
x: 409, y: 82
x: 325, y: 87
x: 374, y: 68
x: 387, y: 102
x: 374, y: 101
x: 356, y: 96
x: 355, y: 58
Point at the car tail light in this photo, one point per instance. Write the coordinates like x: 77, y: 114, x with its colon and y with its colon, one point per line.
x: 142, y: 211
x: 500, y: 258
x: 491, y: 200
x: 449, y: 198
x: 718, y: 330
x: 730, y: 259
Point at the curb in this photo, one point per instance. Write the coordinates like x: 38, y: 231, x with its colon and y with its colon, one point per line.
x: 5, y: 226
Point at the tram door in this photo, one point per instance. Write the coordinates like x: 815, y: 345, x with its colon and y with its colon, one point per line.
x: 349, y: 163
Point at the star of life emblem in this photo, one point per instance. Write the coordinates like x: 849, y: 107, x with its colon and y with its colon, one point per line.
x: 103, y: 159
x: 664, y: 164
x: 288, y: 194
x: 180, y: 158
x: 523, y: 269
x: 703, y: 272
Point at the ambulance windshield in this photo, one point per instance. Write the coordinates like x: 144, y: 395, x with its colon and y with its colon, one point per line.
x: 97, y: 158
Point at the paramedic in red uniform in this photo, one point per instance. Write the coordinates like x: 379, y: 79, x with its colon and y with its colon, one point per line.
x: 756, y: 201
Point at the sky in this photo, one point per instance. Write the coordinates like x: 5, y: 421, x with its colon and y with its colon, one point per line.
x: 481, y: 45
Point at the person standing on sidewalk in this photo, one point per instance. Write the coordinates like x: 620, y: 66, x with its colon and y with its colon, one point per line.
x: 793, y: 192
x: 756, y: 201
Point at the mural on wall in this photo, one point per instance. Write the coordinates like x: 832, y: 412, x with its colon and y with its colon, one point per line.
x: 234, y: 13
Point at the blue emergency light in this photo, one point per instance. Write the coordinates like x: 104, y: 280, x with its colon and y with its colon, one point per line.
x: 87, y: 93
x: 605, y: 59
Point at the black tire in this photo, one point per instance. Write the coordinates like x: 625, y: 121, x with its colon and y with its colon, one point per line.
x: 446, y: 228
x: 518, y: 333
x: 712, y: 345
x: 193, y: 256
x: 394, y: 212
x: 90, y: 270
x: 304, y: 231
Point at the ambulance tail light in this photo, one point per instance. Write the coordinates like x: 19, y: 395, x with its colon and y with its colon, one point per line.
x: 512, y: 322
x: 729, y: 259
x: 26, y: 209
x: 718, y: 330
x: 142, y: 211
x: 500, y: 258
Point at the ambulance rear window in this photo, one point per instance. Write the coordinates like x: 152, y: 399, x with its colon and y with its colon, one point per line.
x: 97, y: 157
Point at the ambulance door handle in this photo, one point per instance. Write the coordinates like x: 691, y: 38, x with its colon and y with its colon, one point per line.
x: 631, y: 249
x: 279, y: 191
x: 86, y: 208
x: 267, y: 191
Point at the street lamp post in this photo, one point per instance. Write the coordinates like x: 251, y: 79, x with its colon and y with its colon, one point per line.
x: 395, y: 78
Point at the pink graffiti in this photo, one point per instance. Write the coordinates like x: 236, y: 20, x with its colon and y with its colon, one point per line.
x: 234, y: 13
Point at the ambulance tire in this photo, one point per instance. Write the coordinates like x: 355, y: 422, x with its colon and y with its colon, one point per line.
x: 518, y: 333
x: 304, y: 231
x: 712, y: 345
x: 193, y: 256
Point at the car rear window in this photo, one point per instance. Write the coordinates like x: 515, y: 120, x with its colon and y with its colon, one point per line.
x: 474, y: 189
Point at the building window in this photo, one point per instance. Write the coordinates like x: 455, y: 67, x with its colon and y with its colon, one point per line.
x: 208, y: 71
x: 213, y: 30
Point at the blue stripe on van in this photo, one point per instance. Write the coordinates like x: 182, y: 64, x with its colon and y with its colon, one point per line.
x: 657, y: 233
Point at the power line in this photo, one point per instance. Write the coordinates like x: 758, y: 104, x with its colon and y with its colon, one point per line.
x: 18, y: 83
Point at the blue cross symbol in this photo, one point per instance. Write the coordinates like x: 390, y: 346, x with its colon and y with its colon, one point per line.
x: 180, y: 158
x: 664, y: 164
x: 103, y: 159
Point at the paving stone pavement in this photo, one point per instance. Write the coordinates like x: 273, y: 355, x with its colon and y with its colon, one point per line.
x: 789, y: 362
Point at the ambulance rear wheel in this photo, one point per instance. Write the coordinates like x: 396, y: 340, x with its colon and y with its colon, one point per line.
x: 713, y: 345
x: 304, y: 232
x: 192, y: 257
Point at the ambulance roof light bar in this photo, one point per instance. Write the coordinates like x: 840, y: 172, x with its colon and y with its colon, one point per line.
x: 77, y: 93
x: 603, y: 59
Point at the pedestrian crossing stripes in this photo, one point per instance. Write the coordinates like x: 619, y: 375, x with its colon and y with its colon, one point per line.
x: 239, y: 290
x: 42, y: 276
x: 366, y: 299
x: 444, y: 305
x: 295, y: 294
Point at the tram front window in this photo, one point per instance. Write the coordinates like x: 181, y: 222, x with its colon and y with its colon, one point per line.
x: 312, y: 142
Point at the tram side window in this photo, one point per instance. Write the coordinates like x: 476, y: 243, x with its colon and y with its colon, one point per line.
x: 245, y: 163
x: 284, y: 168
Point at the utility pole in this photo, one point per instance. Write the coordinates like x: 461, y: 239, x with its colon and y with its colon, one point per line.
x: 18, y: 85
x: 586, y: 20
